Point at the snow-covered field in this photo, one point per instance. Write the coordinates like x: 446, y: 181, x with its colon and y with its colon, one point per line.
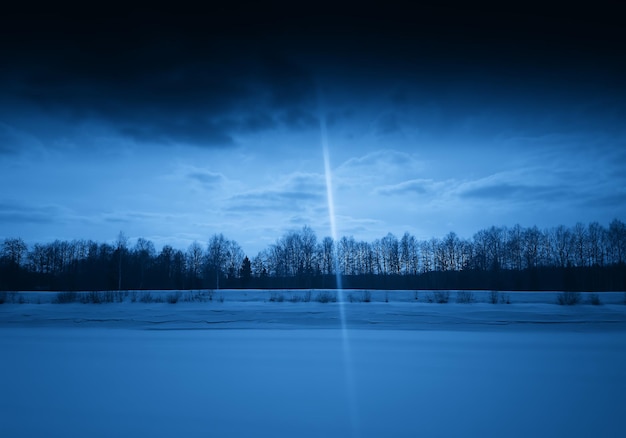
x: 241, y: 365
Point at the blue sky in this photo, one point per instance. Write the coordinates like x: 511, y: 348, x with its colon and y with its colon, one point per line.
x: 174, y: 127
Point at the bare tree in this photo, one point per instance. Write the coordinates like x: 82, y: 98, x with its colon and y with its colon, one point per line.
x: 597, y: 236
x: 409, y: 259
x: 217, y: 256
x: 259, y: 264
x: 37, y: 259
x: 579, y: 241
x: 145, y: 253
x: 14, y: 250
x: 120, y: 243
x: 345, y: 254
x: 617, y: 241
x: 366, y: 258
x: 234, y: 258
x: 327, y: 255
x: 427, y: 251
x: 515, y: 248
x: 391, y: 254
x: 195, y: 262
x: 451, y: 250
x: 561, y: 240
x: 309, y: 243
x: 532, y: 243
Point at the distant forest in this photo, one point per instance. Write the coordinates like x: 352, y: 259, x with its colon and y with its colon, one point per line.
x: 584, y: 257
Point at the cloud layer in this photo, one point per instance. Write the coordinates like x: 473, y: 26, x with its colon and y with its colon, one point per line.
x: 181, y: 124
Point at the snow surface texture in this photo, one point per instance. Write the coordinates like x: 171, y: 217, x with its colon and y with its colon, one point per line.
x: 242, y: 366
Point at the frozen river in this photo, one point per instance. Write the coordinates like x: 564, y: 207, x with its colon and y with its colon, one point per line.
x: 73, y: 376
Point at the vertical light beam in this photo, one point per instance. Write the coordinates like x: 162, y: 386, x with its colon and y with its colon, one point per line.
x: 331, y: 204
x: 350, y: 386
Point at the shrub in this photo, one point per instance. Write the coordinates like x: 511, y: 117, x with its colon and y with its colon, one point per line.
x: 65, y: 297
x: 568, y: 298
x: 193, y: 296
x: 146, y: 297
x: 295, y: 298
x: 10, y: 297
x: 91, y: 297
x: 494, y: 297
x: 440, y: 296
x: 594, y: 299
x: 464, y: 297
x: 173, y: 298
x: 326, y: 297
x: 363, y: 297
x: 95, y: 297
x: 277, y: 297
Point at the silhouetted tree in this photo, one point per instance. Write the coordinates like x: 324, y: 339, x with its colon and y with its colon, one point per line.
x: 13, y: 252
x: 617, y: 241
x: 217, y: 256
x: 195, y: 264
x: 583, y: 257
x: 144, y: 254
x: 327, y: 256
x: 120, y: 245
x: 246, y: 271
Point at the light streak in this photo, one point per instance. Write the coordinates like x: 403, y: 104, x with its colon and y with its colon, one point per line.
x: 347, y: 357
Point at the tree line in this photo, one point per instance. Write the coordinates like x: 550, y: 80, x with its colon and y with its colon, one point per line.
x: 583, y: 257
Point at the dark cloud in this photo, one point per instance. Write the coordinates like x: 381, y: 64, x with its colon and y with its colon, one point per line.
x: 166, y: 76
x: 388, y: 124
x: 518, y: 192
x: 387, y: 157
x: 118, y: 220
x: 207, y: 179
x: 305, y: 182
x: 273, y: 200
x: 298, y: 119
x: 10, y: 140
x: 381, y: 165
x: 7, y: 144
x: 336, y: 118
x: 188, y: 131
x: 176, y: 83
x: 296, y: 192
x: 613, y: 202
x: 204, y: 101
x: 257, y: 123
x: 417, y: 186
x: 17, y: 213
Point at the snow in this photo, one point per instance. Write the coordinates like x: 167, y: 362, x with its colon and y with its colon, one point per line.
x: 250, y: 367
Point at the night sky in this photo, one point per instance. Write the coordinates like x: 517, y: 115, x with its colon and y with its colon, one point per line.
x: 175, y: 125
